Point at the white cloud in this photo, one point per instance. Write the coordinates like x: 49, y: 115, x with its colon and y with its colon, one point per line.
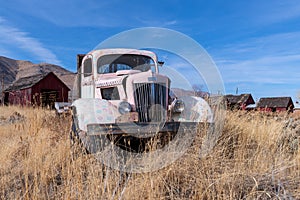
x: 267, y: 69
x: 12, y: 37
x: 272, y: 45
x: 5, y: 52
x: 256, y: 63
x: 93, y: 13
x: 156, y: 22
x: 277, y: 11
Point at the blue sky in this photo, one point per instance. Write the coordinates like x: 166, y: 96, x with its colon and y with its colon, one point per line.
x: 255, y: 44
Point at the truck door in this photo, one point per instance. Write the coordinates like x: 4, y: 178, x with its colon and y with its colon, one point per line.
x: 87, y: 80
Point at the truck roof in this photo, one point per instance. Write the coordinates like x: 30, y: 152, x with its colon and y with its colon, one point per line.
x: 101, y: 52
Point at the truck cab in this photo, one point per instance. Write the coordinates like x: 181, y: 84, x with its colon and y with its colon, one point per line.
x: 127, y: 78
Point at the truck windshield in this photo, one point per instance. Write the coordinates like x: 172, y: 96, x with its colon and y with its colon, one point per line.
x: 116, y: 62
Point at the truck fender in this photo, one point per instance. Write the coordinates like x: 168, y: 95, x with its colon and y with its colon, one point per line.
x: 93, y: 111
x: 196, y: 109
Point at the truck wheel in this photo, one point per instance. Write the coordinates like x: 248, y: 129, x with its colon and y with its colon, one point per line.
x: 76, y: 144
x: 96, y: 143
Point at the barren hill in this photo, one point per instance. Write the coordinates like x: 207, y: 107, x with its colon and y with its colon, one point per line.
x: 14, y: 69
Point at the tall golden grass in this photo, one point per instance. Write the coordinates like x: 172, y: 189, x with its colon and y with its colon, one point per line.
x: 256, y: 157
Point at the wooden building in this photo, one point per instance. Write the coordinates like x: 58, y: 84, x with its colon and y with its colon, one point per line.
x: 239, y: 102
x: 275, y: 104
x: 39, y: 90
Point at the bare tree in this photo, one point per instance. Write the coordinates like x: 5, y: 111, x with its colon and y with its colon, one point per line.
x: 199, y: 92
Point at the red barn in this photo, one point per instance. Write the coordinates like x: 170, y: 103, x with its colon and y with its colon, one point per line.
x: 238, y: 102
x: 275, y: 104
x: 39, y: 90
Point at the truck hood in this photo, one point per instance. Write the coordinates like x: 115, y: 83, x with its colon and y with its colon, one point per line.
x: 109, y: 80
x: 106, y: 80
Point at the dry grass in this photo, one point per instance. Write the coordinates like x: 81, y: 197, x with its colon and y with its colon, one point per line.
x: 256, y: 157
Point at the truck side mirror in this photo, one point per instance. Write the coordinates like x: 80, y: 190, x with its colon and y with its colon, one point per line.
x: 160, y: 63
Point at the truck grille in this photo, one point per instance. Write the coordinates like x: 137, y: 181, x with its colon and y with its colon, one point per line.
x: 150, y: 101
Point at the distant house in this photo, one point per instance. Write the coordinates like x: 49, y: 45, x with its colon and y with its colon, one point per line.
x: 39, y: 90
x: 275, y: 104
x: 238, y: 102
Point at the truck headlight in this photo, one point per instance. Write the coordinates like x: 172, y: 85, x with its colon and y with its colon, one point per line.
x: 124, y: 107
x: 177, y: 106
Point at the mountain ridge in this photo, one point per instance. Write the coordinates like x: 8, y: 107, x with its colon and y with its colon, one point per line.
x: 12, y: 70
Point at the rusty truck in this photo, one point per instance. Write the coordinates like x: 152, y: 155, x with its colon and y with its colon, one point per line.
x: 123, y: 98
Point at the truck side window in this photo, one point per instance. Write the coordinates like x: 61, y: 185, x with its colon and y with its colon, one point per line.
x: 111, y: 93
x: 87, y: 67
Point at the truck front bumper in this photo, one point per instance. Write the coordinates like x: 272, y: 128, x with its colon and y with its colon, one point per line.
x: 135, y: 129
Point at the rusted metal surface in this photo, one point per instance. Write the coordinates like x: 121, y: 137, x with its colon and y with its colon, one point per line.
x: 151, y: 129
x: 129, y: 79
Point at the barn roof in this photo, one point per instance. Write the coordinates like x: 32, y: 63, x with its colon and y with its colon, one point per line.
x: 272, y: 102
x: 29, y: 81
x: 237, y: 99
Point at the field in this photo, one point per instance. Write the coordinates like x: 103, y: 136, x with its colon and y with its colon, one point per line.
x: 256, y: 157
